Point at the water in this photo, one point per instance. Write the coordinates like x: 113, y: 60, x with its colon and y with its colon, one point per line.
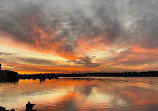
x: 82, y: 94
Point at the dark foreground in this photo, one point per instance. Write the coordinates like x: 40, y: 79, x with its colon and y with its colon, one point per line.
x: 98, y: 74
x: 29, y: 107
x: 104, y: 74
x: 56, y: 76
x: 11, y: 76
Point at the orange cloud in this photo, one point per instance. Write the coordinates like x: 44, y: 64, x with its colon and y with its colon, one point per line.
x: 91, y: 44
x: 31, y: 69
x: 141, y: 49
x: 40, y: 41
x: 140, y: 53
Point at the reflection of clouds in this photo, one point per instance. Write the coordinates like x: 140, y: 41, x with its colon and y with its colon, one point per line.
x: 86, y: 90
x: 114, y: 83
x: 97, y: 97
x: 35, y: 96
x: 64, y: 102
x: 140, y: 96
x: 80, y: 94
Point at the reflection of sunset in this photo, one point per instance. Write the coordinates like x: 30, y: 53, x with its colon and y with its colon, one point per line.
x: 141, y: 98
x: 80, y: 94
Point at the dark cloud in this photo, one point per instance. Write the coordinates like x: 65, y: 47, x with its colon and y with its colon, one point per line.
x: 44, y: 23
x: 37, y: 61
x: 7, y: 54
x: 145, y: 13
x: 86, y: 62
x: 70, y: 20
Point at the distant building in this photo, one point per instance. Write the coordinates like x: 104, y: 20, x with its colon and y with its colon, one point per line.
x: 7, y: 74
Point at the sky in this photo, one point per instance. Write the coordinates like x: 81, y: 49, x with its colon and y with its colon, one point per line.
x: 65, y: 36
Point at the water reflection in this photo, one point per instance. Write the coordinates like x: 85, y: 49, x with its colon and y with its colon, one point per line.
x: 82, y: 94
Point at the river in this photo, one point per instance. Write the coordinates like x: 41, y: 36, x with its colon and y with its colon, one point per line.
x: 82, y: 94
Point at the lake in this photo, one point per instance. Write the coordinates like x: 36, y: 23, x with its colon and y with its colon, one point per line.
x: 82, y: 94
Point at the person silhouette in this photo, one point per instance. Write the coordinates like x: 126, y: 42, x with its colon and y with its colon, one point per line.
x: 29, y: 106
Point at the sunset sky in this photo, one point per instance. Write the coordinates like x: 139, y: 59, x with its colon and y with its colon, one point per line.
x: 65, y: 36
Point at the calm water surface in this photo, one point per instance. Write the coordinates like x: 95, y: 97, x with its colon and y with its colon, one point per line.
x: 82, y: 94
